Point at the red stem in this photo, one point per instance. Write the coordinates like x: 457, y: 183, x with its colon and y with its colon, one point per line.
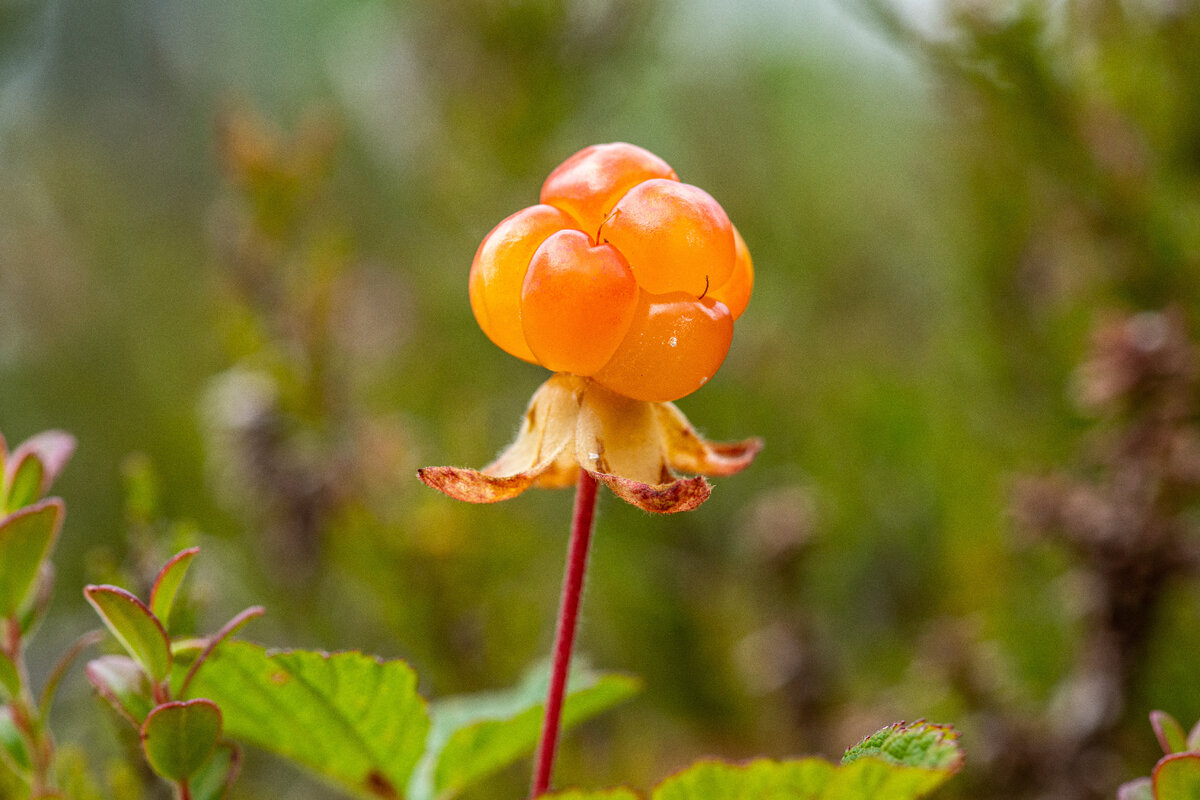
x: 564, y: 636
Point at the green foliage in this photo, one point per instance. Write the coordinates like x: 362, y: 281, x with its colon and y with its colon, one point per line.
x: 900, y: 762
x: 166, y: 585
x: 123, y: 683
x: 1177, y: 774
x: 26, y: 539
x: 1177, y: 777
x: 353, y: 719
x: 10, y: 679
x: 139, y: 631
x: 179, y: 737
x: 477, y: 735
x: 918, y: 745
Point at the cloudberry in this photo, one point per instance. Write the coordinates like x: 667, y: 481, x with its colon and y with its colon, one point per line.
x: 622, y: 274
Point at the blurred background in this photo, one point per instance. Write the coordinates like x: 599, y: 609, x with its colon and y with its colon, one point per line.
x: 234, y: 242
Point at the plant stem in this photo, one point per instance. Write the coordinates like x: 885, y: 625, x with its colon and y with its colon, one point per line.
x: 564, y: 636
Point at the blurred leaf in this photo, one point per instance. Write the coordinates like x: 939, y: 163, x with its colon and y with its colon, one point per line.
x: 212, y: 781
x: 179, y: 737
x: 124, y: 684
x: 1140, y: 789
x: 476, y: 735
x: 34, y: 466
x: 714, y: 780
x: 1169, y: 732
x: 12, y: 747
x: 21, y: 485
x: 166, y: 585
x: 1177, y: 777
x: 868, y: 778
x: 26, y: 539
x: 607, y: 794
x: 351, y: 718
x: 918, y: 745
x: 1193, y: 739
x: 10, y: 679
x: 138, y: 630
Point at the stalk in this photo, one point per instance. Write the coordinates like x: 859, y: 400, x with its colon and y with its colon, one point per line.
x: 564, y: 636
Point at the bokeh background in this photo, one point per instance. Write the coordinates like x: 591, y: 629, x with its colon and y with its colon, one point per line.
x: 234, y: 241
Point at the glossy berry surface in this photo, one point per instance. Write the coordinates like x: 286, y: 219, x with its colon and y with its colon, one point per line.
x: 622, y: 273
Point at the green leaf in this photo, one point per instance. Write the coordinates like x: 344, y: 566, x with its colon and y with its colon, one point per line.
x: 10, y: 678
x: 212, y: 781
x: 607, y: 794
x: 715, y: 780
x: 138, y: 630
x: 353, y: 719
x: 53, y: 450
x: 26, y: 539
x: 124, y: 684
x: 1177, y: 777
x: 476, y: 735
x: 868, y: 778
x: 166, y: 585
x: 1170, y: 733
x: 179, y: 737
x: 1193, y: 738
x: 918, y: 745
x: 12, y: 746
x: 23, y: 482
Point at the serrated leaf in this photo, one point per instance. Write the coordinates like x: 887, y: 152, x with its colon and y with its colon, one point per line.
x: 10, y: 678
x: 166, y: 585
x: 476, y: 735
x: 918, y: 745
x: 867, y: 778
x: 1177, y: 777
x: 353, y: 719
x: 138, y: 630
x: 26, y: 539
x: 124, y: 684
x: 716, y: 780
x: 1171, y: 736
x: 179, y: 737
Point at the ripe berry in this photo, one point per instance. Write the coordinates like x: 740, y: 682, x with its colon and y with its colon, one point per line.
x: 622, y: 274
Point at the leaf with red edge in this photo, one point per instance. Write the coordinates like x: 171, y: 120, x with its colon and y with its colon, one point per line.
x: 26, y: 539
x: 166, y: 585
x: 123, y: 683
x: 136, y: 628
x: 1170, y: 733
x: 1177, y: 777
x: 34, y: 465
x: 179, y: 737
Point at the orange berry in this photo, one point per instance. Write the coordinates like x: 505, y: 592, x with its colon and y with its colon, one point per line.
x: 735, y: 292
x: 498, y: 273
x: 675, y: 236
x: 577, y: 303
x: 674, y: 345
x: 588, y: 184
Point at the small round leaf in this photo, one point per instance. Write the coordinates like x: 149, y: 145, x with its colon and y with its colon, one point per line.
x: 179, y: 737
